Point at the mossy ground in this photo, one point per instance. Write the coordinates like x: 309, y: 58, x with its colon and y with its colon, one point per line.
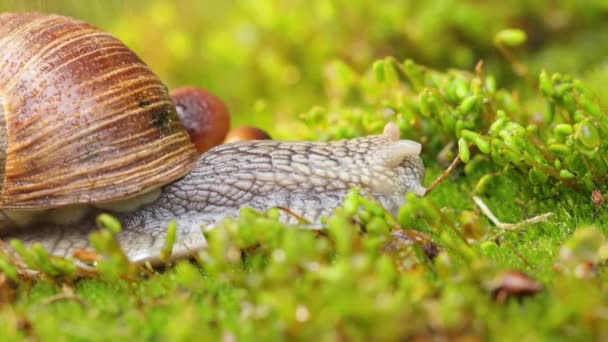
x: 534, y: 142
x: 267, y: 295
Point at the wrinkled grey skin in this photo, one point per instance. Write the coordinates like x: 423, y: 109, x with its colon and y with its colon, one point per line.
x: 310, y: 179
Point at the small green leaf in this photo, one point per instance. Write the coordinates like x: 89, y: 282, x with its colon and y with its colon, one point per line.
x: 109, y: 222
x: 463, y: 150
x: 482, y: 143
x: 8, y: 268
x: 490, y: 84
x: 545, y: 85
x: 378, y: 68
x: 511, y: 37
x: 588, y: 134
x: 467, y: 104
x: 566, y: 174
x: 537, y: 177
x: 563, y: 129
x: 167, y: 249
x: 561, y: 149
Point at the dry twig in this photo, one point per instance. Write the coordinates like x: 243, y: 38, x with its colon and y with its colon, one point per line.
x: 506, y: 227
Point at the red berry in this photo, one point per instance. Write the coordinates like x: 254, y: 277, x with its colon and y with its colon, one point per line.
x: 205, y: 117
x: 246, y: 133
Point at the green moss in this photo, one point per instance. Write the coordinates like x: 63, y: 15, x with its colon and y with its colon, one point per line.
x: 535, y: 144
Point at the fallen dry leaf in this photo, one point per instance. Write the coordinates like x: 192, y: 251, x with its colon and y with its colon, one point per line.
x: 513, y: 284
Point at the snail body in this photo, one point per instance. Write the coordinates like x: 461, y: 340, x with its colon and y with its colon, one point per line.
x: 86, y: 128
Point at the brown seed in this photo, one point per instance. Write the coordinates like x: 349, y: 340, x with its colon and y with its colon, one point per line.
x: 557, y: 267
x: 596, y: 197
x: 205, y: 117
x: 24, y: 325
x: 513, y: 284
x: 7, y: 292
x: 430, y: 249
x: 406, y: 237
x: 244, y: 133
x: 585, y: 270
x: 86, y: 256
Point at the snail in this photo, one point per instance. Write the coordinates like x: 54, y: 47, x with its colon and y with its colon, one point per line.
x: 87, y: 128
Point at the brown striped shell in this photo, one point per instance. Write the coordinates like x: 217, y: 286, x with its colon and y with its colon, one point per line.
x: 82, y: 118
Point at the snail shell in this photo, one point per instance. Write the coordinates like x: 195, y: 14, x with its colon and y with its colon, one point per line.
x: 82, y: 118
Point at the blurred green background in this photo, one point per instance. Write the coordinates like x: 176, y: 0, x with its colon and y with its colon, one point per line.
x: 271, y: 59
